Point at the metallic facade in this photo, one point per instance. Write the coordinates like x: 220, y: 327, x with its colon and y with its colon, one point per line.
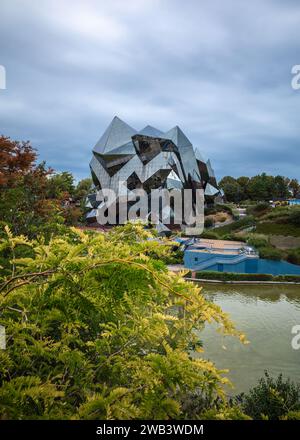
x: 125, y: 159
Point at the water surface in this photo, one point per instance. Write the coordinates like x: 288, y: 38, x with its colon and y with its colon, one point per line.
x: 266, y: 314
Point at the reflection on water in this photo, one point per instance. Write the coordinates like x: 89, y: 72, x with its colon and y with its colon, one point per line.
x: 266, y: 314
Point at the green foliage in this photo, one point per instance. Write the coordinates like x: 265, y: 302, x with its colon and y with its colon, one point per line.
x: 259, y: 209
x: 210, y: 211
x: 83, y: 188
x: 59, y: 184
x: 225, y: 413
x: 175, y: 256
x: 271, y: 228
x: 265, y: 249
x: 272, y: 399
x: 232, y: 189
x: 291, y: 415
x: 233, y: 276
x: 209, y: 234
x: 294, y: 217
x: 34, y: 200
x: 257, y: 240
x: 26, y: 397
x: 98, y: 329
x: 218, y: 208
x: 208, y: 222
x: 225, y: 208
x: 196, y: 404
x: 270, y: 253
x: 282, y: 220
x: 294, y: 187
x: 235, y: 226
x: 293, y: 256
x: 277, y: 213
x: 261, y: 187
x: 231, y: 237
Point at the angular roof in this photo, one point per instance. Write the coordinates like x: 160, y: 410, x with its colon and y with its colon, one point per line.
x: 117, y: 141
x: 151, y: 131
x: 116, y: 135
x: 124, y: 150
x: 178, y: 137
x: 210, y: 169
x: 199, y: 155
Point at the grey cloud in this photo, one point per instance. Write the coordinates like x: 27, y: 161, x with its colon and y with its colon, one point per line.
x: 220, y: 70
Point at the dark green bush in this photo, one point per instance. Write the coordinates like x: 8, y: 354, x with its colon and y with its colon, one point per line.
x: 209, y: 235
x: 208, y: 222
x: 257, y: 242
x: 232, y: 276
x: 294, y: 217
x: 210, y: 211
x: 225, y: 208
x: 271, y: 398
x: 270, y: 253
x: 294, y: 256
x: 236, y: 226
x: 289, y: 278
x: 231, y: 237
x: 259, y: 208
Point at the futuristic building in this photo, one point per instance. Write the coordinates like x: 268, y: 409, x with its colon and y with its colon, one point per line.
x: 125, y: 159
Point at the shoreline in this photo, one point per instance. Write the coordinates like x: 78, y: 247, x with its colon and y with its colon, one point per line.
x: 204, y: 280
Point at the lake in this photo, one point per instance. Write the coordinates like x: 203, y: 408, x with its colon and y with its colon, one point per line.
x: 266, y: 314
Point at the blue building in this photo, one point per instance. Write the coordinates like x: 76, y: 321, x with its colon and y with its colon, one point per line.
x: 232, y: 256
x: 294, y: 202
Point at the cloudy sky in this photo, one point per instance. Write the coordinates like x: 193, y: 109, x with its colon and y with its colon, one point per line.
x: 221, y: 70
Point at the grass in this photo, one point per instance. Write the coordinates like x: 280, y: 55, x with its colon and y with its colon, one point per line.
x: 271, y: 228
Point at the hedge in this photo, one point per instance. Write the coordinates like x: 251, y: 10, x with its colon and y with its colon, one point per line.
x: 231, y: 276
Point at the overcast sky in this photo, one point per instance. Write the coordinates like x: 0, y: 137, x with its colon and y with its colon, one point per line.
x: 221, y: 70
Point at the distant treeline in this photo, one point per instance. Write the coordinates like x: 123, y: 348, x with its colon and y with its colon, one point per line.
x: 260, y: 187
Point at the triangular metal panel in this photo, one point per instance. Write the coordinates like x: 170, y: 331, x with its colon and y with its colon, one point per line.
x: 117, y: 134
x: 151, y: 131
x: 199, y: 155
x: 178, y: 137
x: 210, y: 190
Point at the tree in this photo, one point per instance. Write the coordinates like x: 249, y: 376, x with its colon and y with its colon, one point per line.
x: 294, y: 187
x: 83, y: 188
x: 243, y: 181
x: 24, y: 205
x: 61, y: 185
x: 261, y: 187
x: 281, y: 188
x: 232, y: 190
x: 16, y: 160
x: 98, y: 329
x: 271, y: 398
x: 33, y: 199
